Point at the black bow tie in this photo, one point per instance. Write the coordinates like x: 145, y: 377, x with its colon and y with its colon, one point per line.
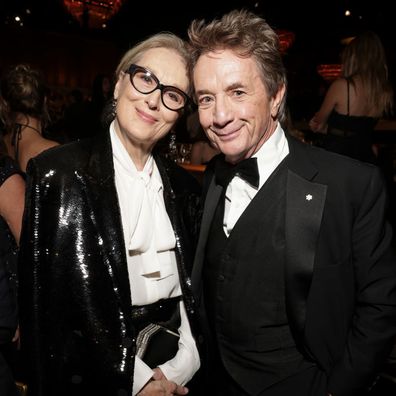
x: 246, y: 170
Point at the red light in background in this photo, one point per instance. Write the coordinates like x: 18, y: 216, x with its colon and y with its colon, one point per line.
x: 94, y: 13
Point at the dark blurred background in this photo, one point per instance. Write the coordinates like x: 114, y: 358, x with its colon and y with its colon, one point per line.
x: 72, y: 51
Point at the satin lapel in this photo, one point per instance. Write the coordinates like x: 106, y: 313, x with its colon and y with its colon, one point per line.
x: 304, y: 208
x: 99, y: 186
x: 211, y: 201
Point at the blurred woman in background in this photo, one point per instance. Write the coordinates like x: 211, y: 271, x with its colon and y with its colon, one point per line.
x: 12, y: 194
x: 355, y: 102
x: 24, y: 113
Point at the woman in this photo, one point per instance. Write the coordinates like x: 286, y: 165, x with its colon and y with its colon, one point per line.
x: 107, y: 243
x: 12, y: 194
x: 23, y: 110
x: 354, y: 103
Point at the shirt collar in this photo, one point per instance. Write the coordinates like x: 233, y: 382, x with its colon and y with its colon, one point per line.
x: 271, y: 153
x: 121, y: 156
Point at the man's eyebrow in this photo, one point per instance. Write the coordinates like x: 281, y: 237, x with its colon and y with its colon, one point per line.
x: 202, y: 92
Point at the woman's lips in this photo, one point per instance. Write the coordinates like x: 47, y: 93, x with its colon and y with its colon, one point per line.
x: 146, y: 117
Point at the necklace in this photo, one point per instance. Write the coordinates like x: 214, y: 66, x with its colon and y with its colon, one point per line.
x: 29, y: 126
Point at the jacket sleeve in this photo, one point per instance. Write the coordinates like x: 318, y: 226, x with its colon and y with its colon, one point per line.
x: 31, y: 290
x: 373, y: 328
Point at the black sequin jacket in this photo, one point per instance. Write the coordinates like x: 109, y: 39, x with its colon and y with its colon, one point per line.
x: 75, y: 300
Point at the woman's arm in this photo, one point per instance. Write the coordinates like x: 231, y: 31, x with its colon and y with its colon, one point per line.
x: 12, y: 200
x: 318, y: 123
x: 186, y: 363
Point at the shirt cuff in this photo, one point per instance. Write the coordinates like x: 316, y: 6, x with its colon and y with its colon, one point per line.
x: 186, y: 362
x: 142, y: 374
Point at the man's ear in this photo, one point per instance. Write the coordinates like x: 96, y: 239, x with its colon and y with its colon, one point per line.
x: 277, y: 100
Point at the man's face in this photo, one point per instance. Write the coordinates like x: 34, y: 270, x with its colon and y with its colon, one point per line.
x: 233, y: 104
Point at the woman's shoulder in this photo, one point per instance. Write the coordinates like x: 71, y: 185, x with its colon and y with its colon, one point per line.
x: 8, y: 167
x: 61, y: 156
x: 339, y: 85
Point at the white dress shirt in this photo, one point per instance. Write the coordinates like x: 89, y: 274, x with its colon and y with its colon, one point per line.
x: 239, y: 193
x: 152, y: 268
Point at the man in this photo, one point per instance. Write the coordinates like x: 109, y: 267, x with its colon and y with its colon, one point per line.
x: 294, y: 272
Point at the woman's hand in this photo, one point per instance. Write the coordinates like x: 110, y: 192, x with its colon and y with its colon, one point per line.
x: 160, y: 386
x: 316, y: 126
x: 158, y: 374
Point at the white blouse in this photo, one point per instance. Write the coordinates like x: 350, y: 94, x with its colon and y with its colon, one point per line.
x: 150, y: 242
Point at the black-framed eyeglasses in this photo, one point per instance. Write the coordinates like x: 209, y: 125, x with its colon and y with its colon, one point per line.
x: 145, y: 82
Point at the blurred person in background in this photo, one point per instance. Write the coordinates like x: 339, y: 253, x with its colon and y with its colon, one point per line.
x: 12, y: 194
x: 24, y: 113
x: 355, y: 102
x: 75, y: 117
x: 100, y: 96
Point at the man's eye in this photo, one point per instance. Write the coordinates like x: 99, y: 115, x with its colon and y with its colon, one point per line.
x: 204, y: 100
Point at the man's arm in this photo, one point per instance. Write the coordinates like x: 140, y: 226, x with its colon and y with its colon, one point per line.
x: 373, y: 328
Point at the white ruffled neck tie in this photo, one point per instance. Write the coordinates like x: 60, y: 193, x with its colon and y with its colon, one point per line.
x: 147, y: 228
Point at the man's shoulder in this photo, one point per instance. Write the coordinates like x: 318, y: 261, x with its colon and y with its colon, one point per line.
x: 334, y: 169
x: 332, y: 160
x: 343, y: 173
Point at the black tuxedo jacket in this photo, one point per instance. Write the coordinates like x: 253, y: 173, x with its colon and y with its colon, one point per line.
x: 340, y: 275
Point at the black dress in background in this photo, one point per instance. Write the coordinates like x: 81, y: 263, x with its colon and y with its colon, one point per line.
x: 350, y: 135
x: 8, y: 286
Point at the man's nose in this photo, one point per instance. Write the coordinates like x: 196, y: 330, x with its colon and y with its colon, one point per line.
x: 222, y: 112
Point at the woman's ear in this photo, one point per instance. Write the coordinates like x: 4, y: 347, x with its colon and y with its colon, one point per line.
x: 117, y: 86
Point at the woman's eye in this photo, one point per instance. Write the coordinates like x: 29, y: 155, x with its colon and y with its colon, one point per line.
x: 175, y: 97
x: 148, y: 79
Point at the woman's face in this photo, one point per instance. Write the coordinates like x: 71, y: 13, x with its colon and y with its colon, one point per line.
x: 142, y: 119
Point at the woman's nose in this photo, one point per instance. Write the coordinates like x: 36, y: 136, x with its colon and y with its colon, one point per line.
x: 153, y: 99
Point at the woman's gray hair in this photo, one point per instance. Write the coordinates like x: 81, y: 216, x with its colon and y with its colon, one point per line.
x: 166, y: 40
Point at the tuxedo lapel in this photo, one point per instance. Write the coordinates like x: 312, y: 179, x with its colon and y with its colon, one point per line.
x: 304, y: 208
x: 211, y: 201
